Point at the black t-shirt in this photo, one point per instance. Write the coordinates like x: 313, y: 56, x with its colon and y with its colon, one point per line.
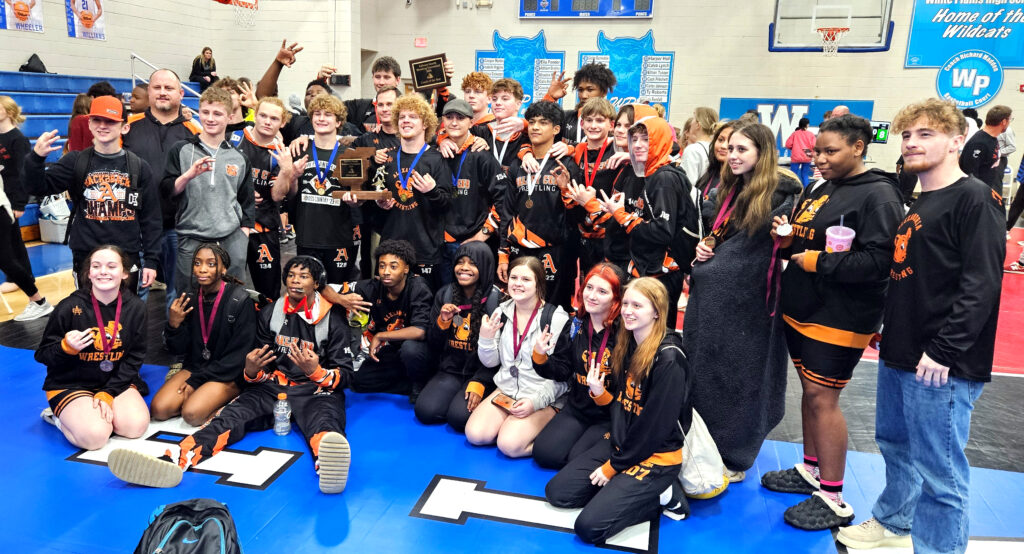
x: 945, y: 281
x: 300, y: 125
x: 13, y: 147
x: 980, y: 159
x: 322, y: 221
x: 410, y: 309
x: 419, y: 217
x: 264, y: 172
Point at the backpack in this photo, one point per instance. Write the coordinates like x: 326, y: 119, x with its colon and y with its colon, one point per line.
x: 33, y: 65
x: 196, y: 526
x: 546, y: 313
x: 82, y: 169
x: 689, y: 225
x: 321, y: 329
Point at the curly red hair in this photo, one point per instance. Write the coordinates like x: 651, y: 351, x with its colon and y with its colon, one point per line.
x: 616, y: 278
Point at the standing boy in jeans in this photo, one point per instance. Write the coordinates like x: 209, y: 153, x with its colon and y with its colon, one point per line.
x: 939, y: 336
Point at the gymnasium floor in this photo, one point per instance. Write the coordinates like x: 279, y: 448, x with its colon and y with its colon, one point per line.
x: 424, y: 489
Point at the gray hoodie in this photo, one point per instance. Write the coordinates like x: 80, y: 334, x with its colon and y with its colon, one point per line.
x: 217, y: 202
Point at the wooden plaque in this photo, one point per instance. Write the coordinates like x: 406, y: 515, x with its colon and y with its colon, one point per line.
x: 352, y: 170
x: 428, y: 73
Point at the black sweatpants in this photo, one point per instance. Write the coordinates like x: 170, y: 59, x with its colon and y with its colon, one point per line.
x: 396, y: 371
x: 316, y: 412
x: 559, y: 270
x: 444, y: 400
x: 14, y: 257
x: 264, y: 262
x: 340, y: 263
x: 567, y: 436
x: 630, y: 497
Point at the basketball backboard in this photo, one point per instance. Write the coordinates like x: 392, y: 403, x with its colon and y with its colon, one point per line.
x: 796, y: 24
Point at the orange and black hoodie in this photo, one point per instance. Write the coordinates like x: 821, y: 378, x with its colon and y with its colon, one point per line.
x: 68, y: 369
x: 646, y: 415
x: 503, y: 151
x: 570, y: 362
x: 649, y: 216
x: 837, y: 297
x: 594, y: 164
x: 299, y: 330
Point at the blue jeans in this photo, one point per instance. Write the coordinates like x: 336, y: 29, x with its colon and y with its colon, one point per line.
x: 448, y: 262
x: 921, y: 432
x: 168, y: 259
x: 803, y: 171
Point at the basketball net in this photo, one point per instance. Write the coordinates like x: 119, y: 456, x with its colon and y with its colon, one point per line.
x: 245, y: 12
x: 830, y: 37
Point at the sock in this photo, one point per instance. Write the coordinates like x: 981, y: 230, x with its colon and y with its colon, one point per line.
x: 811, y: 465
x: 666, y: 496
x: 833, y: 490
x: 41, y: 301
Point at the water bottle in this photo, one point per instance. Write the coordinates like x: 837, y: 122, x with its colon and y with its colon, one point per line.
x: 282, y: 415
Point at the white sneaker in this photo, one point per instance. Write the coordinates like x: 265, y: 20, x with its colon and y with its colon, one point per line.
x: 735, y: 476
x: 871, y: 534
x: 47, y: 416
x: 34, y: 311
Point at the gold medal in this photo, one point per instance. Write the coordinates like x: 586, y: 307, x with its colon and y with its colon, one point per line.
x: 710, y: 242
x: 529, y: 203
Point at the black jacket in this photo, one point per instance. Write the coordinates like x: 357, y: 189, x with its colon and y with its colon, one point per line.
x: 231, y: 337
x: 570, y: 362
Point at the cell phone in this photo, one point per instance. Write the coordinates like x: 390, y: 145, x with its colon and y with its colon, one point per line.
x: 337, y: 80
x: 503, y: 401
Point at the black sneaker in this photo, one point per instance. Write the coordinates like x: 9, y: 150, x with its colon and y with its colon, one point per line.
x: 818, y: 513
x: 677, y: 508
x: 795, y: 480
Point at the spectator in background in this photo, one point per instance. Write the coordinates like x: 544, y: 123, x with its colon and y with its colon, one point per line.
x: 204, y: 69
x: 1007, y: 141
x: 695, y: 156
x: 801, y: 146
x: 79, y: 108
x: 973, y: 124
x: 980, y: 156
x: 79, y: 136
x: 140, y: 99
x: 13, y: 256
x: 838, y: 111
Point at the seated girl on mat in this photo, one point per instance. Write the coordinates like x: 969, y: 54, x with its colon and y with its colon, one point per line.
x: 523, y: 402
x: 93, y: 347
x: 213, y: 340
x: 461, y: 380
x: 582, y: 423
x: 633, y: 476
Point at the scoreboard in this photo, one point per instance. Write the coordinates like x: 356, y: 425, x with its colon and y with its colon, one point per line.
x: 628, y: 9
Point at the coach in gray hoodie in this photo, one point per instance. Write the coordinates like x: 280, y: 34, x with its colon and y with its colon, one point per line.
x: 214, y: 191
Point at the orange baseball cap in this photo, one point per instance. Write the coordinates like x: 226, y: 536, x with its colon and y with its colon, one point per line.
x: 107, y: 107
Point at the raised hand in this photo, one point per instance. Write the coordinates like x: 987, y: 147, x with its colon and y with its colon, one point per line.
x: 423, y: 182
x: 490, y: 325
x: 611, y: 205
x: 178, y: 310
x: 44, y: 144
x: 286, y: 55
x: 559, y: 85
x: 543, y: 342
x: 595, y: 377
x: 305, y: 358
x: 448, y: 312
x: 79, y: 340
x: 257, y: 359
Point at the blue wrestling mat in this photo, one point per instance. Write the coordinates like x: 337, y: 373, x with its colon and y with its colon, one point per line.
x: 412, y: 488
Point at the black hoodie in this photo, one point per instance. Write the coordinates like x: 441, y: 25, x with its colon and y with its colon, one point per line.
x: 570, y: 362
x: 457, y: 343
x: 646, y: 416
x: 837, y: 297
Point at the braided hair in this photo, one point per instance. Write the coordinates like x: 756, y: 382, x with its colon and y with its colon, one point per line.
x: 223, y: 260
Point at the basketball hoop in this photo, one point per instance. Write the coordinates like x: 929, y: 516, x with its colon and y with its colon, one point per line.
x: 245, y: 12
x: 830, y: 37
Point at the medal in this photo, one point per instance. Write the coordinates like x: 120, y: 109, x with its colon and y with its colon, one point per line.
x: 532, y: 183
x: 784, y: 230
x: 321, y: 173
x: 106, y: 365
x: 514, y: 370
x: 405, y: 181
x: 529, y: 203
x: 205, y: 329
x: 710, y: 242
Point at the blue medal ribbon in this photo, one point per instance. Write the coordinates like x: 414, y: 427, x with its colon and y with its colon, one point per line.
x: 405, y: 180
x: 321, y: 174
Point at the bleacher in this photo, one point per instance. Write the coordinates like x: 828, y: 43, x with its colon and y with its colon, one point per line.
x: 46, y: 100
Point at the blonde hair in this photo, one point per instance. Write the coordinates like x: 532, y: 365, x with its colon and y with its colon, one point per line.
x: 414, y: 103
x: 217, y: 95
x: 597, y: 105
x: 642, y: 360
x: 938, y: 113
x: 754, y: 202
x: 13, y: 110
x: 328, y: 103
x: 707, y: 118
x: 478, y: 81
x: 275, y: 101
x: 510, y: 86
